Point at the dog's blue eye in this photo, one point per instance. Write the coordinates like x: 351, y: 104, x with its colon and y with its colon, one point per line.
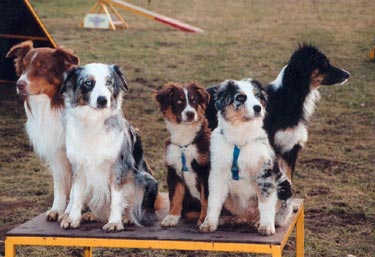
x: 88, y: 84
x: 108, y: 82
x: 179, y: 102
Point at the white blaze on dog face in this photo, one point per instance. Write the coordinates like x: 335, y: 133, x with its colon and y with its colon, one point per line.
x: 189, y: 114
x: 95, y: 85
x: 240, y: 101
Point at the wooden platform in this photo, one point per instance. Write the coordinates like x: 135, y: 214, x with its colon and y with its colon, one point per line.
x: 186, y: 236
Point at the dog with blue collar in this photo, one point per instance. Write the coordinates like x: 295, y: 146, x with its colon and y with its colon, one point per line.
x: 245, y: 177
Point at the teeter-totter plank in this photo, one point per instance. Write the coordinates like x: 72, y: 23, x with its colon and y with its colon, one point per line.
x: 186, y: 236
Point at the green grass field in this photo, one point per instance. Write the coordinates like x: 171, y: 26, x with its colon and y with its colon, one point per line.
x: 243, y: 38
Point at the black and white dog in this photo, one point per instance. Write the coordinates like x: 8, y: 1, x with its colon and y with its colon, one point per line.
x: 292, y: 98
x: 245, y: 177
x: 110, y: 175
x: 291, y: 102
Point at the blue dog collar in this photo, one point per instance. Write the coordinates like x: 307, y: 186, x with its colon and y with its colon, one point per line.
x: 235, y: 169
x: 183, y: 157
x: 236, y: 153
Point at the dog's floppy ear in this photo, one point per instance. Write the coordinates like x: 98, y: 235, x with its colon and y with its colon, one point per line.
x: 263, y: 97
x: 70, y: 83
x: 203, y: 94
x: 164, y: 95
x: 67, y: 58
x: 19, y: 51
x: 119, y: 77
x: 225, y: 94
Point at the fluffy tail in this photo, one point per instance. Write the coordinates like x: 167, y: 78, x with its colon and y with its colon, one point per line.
x: 145, y: 197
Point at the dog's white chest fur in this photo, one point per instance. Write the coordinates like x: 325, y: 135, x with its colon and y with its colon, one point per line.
x: 88, y: 140
x: 182, y: 135
x: 288, y: 138
x: 250, y: 161
x: 44, y: 127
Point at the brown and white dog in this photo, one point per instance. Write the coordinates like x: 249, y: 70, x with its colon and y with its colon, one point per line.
x: 187, y: 149
x: 42, y: 72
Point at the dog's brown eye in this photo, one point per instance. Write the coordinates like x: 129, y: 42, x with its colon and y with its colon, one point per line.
x: 108, y: 82
x: 43, y: 67
x: 192, y: 100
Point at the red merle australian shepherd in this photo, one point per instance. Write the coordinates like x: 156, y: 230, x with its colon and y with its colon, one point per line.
x: 187, y: 149
x: 291, y: 102
x: 42, y: 72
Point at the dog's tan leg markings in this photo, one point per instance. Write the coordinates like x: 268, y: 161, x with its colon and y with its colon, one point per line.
x: 204, y: 204
x: 285, y: 168
x: 88, y: 217
x: 126, y: 217
x: 175, y: 206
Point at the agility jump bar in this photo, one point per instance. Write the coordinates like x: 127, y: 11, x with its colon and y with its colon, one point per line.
x: 155, y: 16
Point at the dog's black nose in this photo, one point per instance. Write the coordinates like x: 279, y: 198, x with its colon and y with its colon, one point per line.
x: 257, y: 108
x: 190, y: 115
x: 101, y: 101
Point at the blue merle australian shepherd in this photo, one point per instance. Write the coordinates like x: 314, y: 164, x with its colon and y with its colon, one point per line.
x: 245, y: 177
x: 110, y: 175
x: 291, y: 102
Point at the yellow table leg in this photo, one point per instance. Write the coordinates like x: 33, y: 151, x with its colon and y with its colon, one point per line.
x: 87, y: 251
x: 10, y: 248
x: 300, y: 234
x: 276, y: 251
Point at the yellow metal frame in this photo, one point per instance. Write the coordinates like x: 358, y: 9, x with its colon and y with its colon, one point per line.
x: 36, y: 17
x: 101, y: 7
x: 88, y: 243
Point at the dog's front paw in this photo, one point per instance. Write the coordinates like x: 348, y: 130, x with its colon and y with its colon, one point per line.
x: 66, y: 222
x: 170, y: 221
x: 207, y: 227
x: 52, y: 215
x: 266, y: 230
x: 113, y: 227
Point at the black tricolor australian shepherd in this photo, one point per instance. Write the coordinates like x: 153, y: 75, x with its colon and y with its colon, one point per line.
x: 187, y: 148
x: 245, y: 175
x: 110, y: 175
x: 291, y: 102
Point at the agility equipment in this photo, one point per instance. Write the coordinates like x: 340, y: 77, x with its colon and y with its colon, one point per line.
x: 115, y: 20
x: 19, y: 22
